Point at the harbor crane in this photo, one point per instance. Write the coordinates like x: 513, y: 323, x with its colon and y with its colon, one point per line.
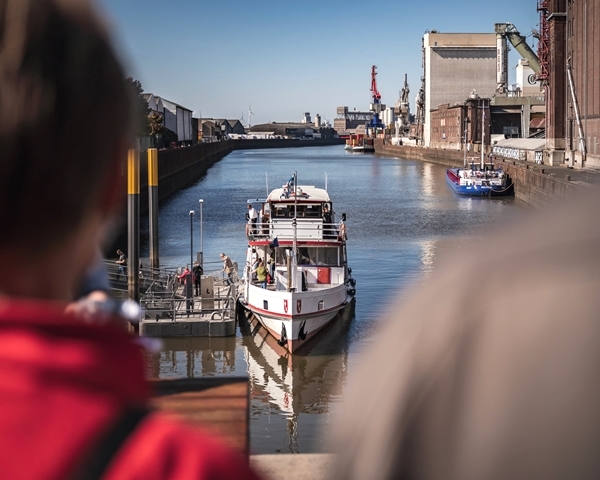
x: 376, y: 106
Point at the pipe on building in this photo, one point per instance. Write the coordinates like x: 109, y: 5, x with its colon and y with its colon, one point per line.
x: 582, y: 147
x: 519, y: 42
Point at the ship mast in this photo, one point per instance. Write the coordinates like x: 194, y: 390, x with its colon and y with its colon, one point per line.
x: 482, y: 133
x: 293, y: 277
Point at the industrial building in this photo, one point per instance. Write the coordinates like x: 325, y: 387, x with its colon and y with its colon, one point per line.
x: 347, y: 122
x: 455, y: 65
x: 176, y: 118
x: 578, y: 25
x: 292, y: 130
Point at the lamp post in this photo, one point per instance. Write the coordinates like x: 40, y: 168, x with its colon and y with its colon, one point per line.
x: 191, y: 239
x: 188, y: 281
x: 201, y: 201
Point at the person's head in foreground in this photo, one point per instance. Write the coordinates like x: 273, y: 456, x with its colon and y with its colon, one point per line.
x: 491, y: 368
x: 73, y: 397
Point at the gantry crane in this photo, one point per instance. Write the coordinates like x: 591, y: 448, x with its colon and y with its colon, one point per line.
x: 376, y: 106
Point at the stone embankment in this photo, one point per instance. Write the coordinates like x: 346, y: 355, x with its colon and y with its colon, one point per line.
x: 536, y: 185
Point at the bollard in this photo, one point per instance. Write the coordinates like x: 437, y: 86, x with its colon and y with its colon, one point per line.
x: 542, y: 170
x: 133, y: 224
x: 153, y: 205
x: 567, y: 177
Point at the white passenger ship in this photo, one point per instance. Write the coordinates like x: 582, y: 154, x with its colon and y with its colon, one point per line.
x: 304, y: 251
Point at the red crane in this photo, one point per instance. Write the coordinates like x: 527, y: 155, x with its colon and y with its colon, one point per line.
x: 376, y: 94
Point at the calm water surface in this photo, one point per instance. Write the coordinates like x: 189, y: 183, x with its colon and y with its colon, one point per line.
x: 401, y: 217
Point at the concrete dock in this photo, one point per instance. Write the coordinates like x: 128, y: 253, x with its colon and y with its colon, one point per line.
x: 291, y: 466
x: 211, y: 314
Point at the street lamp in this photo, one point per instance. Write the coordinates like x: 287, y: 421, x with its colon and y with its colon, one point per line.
x: 188, y: 281
x: 201, y: 236
x: 191, y: 239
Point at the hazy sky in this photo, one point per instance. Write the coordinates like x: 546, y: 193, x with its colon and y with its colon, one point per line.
x: 288, y: 57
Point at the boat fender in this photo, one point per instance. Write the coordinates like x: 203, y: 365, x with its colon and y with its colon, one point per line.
x: 352, y: 281
x: 283, y: 339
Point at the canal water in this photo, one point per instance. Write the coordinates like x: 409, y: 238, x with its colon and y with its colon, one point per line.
x: 401, y: 216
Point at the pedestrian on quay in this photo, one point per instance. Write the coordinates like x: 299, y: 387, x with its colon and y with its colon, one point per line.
x: 227, y: 268
x: 198, y: 272
x: 122, y: 263
x: 74, y: 400
x: 187, y: 279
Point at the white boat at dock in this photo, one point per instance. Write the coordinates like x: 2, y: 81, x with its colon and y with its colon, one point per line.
x: 304, y: 249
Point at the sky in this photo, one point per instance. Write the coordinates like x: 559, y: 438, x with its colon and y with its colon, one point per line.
x: 282, y: 58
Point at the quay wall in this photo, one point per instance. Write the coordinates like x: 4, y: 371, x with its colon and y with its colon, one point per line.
x: 534, y: 186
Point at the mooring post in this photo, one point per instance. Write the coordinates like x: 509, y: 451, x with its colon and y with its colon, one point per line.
x: 153, y: 205
x: 133, y: 224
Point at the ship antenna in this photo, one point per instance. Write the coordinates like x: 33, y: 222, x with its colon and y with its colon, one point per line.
x: 325, y: 181
x: 295, y: 225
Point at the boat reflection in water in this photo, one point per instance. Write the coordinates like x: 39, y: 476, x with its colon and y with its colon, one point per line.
x: 299, y: 383
x: 193, y: 357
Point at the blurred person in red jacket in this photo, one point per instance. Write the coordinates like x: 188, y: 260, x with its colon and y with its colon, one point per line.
x: 73, y: 398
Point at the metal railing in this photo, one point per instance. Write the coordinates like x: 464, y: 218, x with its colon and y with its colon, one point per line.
x: 282, y: 228
x: 163, y: 294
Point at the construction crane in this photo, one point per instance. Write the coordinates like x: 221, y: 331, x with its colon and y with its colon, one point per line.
x: 376, y: 106
x: 509, y: 31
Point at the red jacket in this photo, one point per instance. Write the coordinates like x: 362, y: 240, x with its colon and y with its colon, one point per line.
x: 63, y: 382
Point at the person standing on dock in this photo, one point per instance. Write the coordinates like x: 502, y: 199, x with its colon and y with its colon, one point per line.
x: 186, y: 278
x: 227, y: 268
x: 74, y: 400
x: 197, y: 271
x: 122, y: 262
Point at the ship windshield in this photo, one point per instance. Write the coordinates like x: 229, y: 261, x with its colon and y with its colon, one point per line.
x: 310, y: 256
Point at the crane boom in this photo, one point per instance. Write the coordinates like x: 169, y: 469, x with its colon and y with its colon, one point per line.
x: 519, y: 42
x: 374, y: 91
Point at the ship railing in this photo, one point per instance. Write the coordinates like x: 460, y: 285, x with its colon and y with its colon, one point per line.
x: 305, y: 228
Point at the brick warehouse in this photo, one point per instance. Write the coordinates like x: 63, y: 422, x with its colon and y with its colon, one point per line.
x: 573, y: 113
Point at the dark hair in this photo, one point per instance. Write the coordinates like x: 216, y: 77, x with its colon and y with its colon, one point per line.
x: 64, y: 108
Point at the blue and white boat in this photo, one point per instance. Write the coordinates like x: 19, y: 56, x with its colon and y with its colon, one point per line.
x: 479, y: 180
x: 472, y: 181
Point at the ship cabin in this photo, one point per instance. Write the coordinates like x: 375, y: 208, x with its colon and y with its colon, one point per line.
x: 309, y: 217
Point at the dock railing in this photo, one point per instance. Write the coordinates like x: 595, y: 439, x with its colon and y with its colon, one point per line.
x: 163, y: 294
